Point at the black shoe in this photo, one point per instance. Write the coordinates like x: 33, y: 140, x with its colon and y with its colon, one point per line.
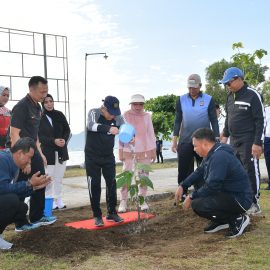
x: 114, y: 217
x: 99, y: 222
x: 238, y: 226
x: 215, y: 227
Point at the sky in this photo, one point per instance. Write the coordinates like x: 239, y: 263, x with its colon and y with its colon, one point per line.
x: 153, y: 45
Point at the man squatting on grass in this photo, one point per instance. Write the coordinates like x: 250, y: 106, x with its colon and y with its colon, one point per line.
x: 225, y: 193
x: 12, y: 207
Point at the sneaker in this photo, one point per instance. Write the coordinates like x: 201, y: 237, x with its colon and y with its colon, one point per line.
x: 122, y: 206
x: 238, y: 226
x: 60, y: 204
x: 55, y: 207
x: 114, y: 217
x: 5, y: 245
x: 99, y: 221
x: 215, y: 227
x: 144, y: 206
x: 254, y: 209
x: 45, y: 221
x: 27, y: 227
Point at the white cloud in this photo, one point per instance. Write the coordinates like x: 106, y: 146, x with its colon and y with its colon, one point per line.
x: 155, y: 67
x: 87, y: 30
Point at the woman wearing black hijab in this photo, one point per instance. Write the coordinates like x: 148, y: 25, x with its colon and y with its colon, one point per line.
x: 54, y: 133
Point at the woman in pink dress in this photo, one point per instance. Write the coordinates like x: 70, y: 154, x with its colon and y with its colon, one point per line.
x: 144, y: 147
x: 5, y: 115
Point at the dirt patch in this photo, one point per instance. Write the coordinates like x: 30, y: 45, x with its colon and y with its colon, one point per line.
x: 172, y: 232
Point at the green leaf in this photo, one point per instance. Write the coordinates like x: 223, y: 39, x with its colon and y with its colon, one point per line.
x: 145, y: 181
x: 141, y: 200
x: 124, y: 174
x: 124, y: 179
x: 133, y: 189
x: 121, y: 182
x: 143, y: 167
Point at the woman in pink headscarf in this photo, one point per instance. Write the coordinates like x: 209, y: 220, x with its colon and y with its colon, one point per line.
x: 5, y: 115
x: 144, y: 148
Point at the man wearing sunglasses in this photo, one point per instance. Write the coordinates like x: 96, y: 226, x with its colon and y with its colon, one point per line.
x: 244, y: 124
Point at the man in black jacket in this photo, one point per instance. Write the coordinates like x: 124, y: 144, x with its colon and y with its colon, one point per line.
x: 225, y: 193
x: 244, y: 124
x: 102, y: 126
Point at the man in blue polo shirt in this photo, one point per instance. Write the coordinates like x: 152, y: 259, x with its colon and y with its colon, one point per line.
x: 193, y: 110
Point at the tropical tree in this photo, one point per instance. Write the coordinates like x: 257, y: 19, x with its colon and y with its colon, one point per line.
x: 265, y: 92
x: 163, y: 114
x: 250, y: 63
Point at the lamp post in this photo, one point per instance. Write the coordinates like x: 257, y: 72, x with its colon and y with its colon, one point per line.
x: 85, y: 75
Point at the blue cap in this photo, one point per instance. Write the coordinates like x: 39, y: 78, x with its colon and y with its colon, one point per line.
x: 112, y: 105
x: 231, y: 73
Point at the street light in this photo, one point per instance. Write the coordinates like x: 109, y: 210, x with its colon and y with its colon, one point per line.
x: 86, y: 55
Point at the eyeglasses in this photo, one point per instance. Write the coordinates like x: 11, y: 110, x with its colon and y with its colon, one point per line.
x: 138, y: 103
x: 231, y: 81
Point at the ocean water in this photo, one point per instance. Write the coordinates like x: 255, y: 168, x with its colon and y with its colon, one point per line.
x: 77, y: 157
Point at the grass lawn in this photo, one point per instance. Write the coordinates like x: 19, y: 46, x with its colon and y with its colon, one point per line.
x: 175, y: 241
x: 75, y: 171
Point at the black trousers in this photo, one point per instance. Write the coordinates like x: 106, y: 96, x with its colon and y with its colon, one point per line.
x: 186, y: 154
x: 221, y: 208
x: 267, y: 156
x: 251, y: 165
x: 37, y: 199
x: 159, y: 154
x: 95, y: 166
x: 12, y: 210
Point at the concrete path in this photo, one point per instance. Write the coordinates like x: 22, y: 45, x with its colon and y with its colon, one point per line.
x: 75, y: 190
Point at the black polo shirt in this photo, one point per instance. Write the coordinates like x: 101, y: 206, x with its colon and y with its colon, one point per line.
x: 26, y: 115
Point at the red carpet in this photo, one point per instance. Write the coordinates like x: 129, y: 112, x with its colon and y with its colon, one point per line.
x: 89, y: 224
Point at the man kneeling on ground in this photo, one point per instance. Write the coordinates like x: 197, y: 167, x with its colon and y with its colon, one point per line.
x: 12, y: 206
x: 225, y: 194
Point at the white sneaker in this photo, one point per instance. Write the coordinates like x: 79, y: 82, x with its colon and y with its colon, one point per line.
x: 254, y: 209
x: 144, y: 206
x: 54, y: 205
x: 4, y: 245
x: 122, y: 206
x: 60, y: 204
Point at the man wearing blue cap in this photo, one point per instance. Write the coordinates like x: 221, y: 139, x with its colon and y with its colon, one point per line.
x: 244, y: 124
x: 102, y: 126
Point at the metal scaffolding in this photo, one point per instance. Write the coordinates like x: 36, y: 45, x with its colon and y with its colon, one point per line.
x: 24, y: 54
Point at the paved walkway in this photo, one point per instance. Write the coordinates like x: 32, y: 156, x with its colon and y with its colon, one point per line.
x: 75, y: 190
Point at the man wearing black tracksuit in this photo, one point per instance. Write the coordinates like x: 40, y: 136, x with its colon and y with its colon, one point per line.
x: 102, y: 126
x: 244, y: 124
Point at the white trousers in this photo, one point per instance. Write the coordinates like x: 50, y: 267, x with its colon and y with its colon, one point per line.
x: 54, y: 189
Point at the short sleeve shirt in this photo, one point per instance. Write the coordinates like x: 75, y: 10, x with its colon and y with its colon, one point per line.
x: 26, y: 115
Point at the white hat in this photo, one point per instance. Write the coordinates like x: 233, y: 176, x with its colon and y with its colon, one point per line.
x: 137, y: 98
x: 194, y: 81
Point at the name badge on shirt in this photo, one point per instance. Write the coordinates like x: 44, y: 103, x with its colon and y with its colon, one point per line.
x: 201, y: 103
